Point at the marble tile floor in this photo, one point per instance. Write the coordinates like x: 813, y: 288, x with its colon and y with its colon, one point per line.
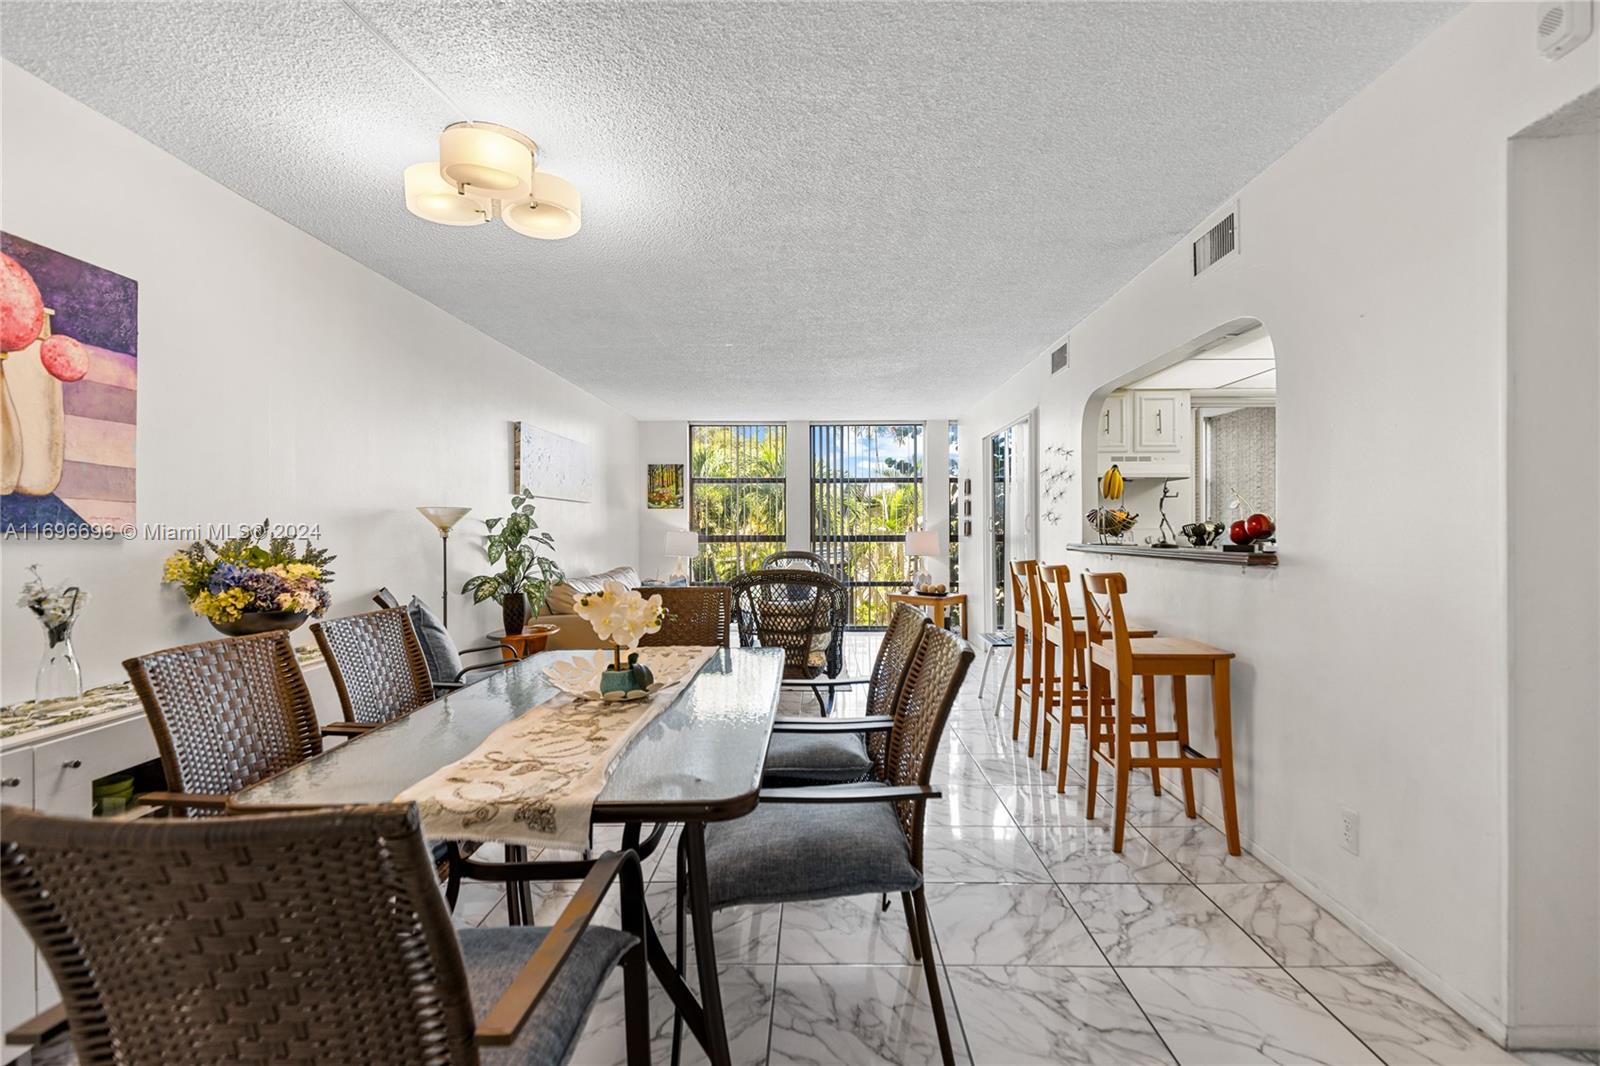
x: 1055, y: 949
x: 1052, y: 948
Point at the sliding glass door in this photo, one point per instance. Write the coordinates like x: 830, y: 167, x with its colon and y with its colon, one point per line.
x: 1011, y: 510
x: 736, y: 497
x: 866, y: 495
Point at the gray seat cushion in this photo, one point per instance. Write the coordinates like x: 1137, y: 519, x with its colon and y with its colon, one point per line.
x: 816, y: 759
x: 783, y: 852
x: 494, y: 956
x: 438, y: 649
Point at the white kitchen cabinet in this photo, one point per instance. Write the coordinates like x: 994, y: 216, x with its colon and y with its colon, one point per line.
x: 18, y: 1001
x: 1158, y: 425
x: 1114, y: 422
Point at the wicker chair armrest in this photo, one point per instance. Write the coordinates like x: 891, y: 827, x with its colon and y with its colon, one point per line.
x: 500, y: 649
x: 348, y: 729
x: 505, y: 1019
x: 184, y: 799
x: 460, y: 679
x: 872, y: 723
x: 40, y: 1028
x: 849, y: 794
x: 824, y: 681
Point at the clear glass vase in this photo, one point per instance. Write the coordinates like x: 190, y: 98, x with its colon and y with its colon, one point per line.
x: 59, y: 677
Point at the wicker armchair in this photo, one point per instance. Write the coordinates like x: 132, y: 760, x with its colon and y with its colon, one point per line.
x: 697, y: 615
x: 225, y: 714
x: 377, y: 665
x: 830, y: 841
x: 809, y: 752
x: 802, y: 612
x: 303, y: 938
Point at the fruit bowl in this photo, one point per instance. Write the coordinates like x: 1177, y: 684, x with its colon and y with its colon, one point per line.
x: 1112, y: 523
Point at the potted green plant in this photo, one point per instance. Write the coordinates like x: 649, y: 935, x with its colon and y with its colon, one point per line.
x: 527, y: 569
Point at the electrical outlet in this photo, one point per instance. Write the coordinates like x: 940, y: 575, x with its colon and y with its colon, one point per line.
x: 1350, y: 822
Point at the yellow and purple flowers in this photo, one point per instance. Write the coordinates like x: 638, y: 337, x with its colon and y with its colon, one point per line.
x: 243, y: 576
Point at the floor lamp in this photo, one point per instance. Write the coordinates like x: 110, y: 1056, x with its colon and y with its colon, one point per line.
x: 443, y: 518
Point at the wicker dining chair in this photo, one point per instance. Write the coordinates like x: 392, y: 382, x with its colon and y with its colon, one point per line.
x: 807, y: 751
x: 802, y: 612
x: 697, y: 615
x: 314, y: 937
x: 830, y: 841
x: 225, y: 714
x: 377, y: 665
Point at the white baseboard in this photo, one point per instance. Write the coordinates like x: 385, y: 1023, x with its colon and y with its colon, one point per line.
x: 1481, y: 1017
x: 1553, y: 1037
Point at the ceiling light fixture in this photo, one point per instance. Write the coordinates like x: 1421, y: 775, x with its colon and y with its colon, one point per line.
x: 487, y: 171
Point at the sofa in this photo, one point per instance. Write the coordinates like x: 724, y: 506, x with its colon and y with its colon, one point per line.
x: 558, y: 611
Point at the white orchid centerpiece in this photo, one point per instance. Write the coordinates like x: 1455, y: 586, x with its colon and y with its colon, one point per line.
x: 621, y: 616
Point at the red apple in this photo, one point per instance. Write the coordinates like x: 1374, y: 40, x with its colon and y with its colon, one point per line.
x: 1258, y: 526
x: 1238, y: 533
x: 64, y: 357
x: 21, y: 307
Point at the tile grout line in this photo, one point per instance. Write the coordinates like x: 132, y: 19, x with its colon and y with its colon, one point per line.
x: 1073, y: 910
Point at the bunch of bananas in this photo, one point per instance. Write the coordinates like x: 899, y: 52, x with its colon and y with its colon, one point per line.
x: 1111, y: 483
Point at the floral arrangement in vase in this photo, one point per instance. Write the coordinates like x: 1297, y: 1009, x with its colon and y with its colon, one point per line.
x: 252, y: 583
x: 621, y: 617
x: 57, y: 608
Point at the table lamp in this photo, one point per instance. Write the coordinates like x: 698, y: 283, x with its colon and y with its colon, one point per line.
x: 920, y: 543
x: 443, y: 518
x: 683, y: 544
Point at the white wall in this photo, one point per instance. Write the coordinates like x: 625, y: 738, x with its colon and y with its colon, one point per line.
x: 1554, y: 468
x: 279, y: 378
x: 1372, y: 668
x: 662, y: 442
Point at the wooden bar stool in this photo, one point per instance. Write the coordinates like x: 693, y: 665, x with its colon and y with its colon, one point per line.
x: 1026, y: 624
x: 1070, y: 691
x: 1111, y: 737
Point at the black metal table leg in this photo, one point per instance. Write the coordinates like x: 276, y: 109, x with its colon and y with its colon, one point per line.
x: 705, y: 953
x: 519, y: 899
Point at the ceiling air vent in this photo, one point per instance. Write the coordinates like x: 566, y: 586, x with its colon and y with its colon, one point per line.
x: 1216, y: 243
x: 1564, y: 26
x: 1059, y: 359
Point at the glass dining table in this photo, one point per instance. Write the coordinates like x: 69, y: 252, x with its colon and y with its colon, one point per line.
x: 698, y: 761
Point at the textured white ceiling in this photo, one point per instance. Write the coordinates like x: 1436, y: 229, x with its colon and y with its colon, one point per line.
x: 790, y: 209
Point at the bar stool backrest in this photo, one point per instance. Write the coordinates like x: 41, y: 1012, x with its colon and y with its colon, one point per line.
x: 1104, y: 618
x: 1054, y: 607
x: 1025, y: 594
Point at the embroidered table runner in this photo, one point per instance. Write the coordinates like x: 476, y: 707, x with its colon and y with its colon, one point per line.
x: 535, y: 779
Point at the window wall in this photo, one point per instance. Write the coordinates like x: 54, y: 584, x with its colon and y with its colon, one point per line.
x: 866, y: 495
x: 736, y: 496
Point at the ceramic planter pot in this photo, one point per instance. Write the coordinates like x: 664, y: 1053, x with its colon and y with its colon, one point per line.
x: 514, y: 612
x: 261, y: 622
x: 632, y: 677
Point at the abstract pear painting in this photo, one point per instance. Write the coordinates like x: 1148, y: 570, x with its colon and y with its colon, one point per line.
x: 69, y: 353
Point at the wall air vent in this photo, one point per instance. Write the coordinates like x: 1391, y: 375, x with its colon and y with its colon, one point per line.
x: 1059, y: 359
x: 1216, y: 243
x: 1563, y: 26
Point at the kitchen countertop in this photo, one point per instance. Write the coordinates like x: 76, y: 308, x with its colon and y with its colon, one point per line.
x: 1189, y: 555
x: 19, y: 722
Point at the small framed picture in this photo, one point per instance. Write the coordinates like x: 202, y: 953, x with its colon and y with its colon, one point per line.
x: 966, y: 508
x: 966, y: 486
x: 966, y: 528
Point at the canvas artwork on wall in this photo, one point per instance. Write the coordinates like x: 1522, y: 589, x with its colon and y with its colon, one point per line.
x: 664, y: 486
x: 69, y: 349
x: 549, y: 465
